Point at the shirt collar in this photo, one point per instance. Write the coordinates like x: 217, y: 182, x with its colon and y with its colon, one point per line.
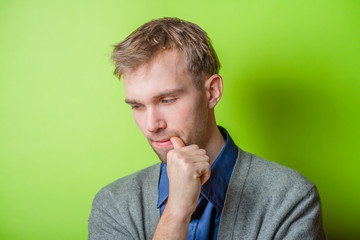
x: 214, y: 190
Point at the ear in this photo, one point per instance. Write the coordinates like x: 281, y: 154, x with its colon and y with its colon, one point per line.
x: 213, y: 89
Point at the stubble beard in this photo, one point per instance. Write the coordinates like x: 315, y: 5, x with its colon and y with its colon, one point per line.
x: 197, y: 139
x: 162, y: 153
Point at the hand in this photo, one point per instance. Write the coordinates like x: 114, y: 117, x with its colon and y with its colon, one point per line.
x: 188, y: 168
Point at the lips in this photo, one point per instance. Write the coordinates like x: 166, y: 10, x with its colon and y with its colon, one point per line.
x: 163, y: 143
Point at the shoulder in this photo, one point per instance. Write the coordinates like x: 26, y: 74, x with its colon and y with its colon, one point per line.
x: 273, y: 177
x: 126, y: 208
x: 266, y: 187
x: 266, y: 199
x: 129, y: 187
x: 263, y: 185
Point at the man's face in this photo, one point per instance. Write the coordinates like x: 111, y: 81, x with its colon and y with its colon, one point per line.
x: 166, y: 103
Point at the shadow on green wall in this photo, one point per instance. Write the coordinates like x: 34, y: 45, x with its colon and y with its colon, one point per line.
x: 305, y: 120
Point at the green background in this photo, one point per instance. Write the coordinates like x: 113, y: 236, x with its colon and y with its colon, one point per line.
x: 291, y: 94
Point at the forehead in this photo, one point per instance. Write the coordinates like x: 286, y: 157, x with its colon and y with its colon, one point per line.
x: 166, y: 71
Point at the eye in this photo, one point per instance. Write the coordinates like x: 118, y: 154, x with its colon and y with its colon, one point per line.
x: 168, y: 100
x: 135, y: 107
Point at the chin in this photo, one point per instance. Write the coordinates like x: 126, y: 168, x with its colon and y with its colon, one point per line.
x: 162, y: 157
x: 162, y: 154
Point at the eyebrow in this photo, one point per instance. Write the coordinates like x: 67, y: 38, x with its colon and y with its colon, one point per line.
x: 166, y: 93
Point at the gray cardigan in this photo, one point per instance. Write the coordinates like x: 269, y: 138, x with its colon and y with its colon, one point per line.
x: 264, y: 200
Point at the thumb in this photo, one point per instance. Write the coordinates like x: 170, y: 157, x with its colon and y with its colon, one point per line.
x: 177, y: 142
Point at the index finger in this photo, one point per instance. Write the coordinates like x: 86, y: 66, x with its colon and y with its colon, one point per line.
x: 177, y: 142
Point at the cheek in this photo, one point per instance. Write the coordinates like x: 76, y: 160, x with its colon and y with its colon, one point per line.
x: 184, y: 118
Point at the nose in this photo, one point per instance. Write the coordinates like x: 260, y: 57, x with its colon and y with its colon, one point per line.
x: 154, y: 120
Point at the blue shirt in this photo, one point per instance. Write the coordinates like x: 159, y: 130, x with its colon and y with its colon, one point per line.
x: 204, y: 223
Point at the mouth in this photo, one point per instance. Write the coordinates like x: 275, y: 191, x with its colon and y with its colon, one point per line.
x: 163, y: 143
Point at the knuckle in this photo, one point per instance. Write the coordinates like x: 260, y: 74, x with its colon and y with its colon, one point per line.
x: 194, y: 146
x: 186, y: 167
x: 176, y: 154
x: 206, y: 165
x: 202, y: 151
x: 209, y: 167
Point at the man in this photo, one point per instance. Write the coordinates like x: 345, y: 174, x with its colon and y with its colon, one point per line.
x: 205, y: 187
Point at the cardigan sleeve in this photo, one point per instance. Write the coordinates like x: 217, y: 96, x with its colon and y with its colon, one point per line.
x: 102, y: 225
x: 303, y: 220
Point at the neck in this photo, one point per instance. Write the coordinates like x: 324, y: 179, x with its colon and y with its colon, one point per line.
x: 216, y: 143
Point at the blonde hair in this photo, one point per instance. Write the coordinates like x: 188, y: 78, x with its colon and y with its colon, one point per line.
x: 163, y: 34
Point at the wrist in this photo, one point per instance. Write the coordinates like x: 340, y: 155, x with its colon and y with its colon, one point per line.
x: 181, y: 207
x: 173, y: 224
